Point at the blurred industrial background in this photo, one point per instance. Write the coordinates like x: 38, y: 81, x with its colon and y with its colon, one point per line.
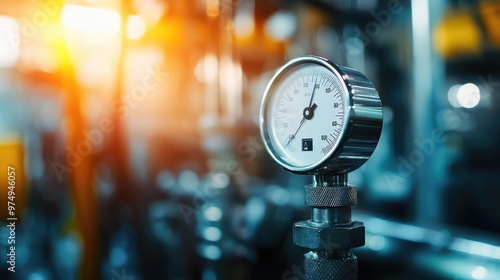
x: 133, y: 129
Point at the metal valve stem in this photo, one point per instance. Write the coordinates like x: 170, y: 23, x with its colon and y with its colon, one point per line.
x: 331, y: 215
x: 330, y: 233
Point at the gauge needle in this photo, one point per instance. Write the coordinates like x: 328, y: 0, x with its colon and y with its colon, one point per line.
x: 312, y: 95
x: 310, y: 112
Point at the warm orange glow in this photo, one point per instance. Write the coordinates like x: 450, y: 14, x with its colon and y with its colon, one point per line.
x: 151, y: 11
x: 490, y: 13
x: 91, y: 20
x: 136, y: 27
x: 212, y: 8
x: 93, y: 43
x: 206, y: 69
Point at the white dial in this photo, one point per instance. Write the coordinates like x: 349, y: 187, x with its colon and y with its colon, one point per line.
x: 318, y: 117
x: 305, y: 115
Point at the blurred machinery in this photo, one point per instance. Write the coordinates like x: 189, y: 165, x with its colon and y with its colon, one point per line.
x: 133, y: 128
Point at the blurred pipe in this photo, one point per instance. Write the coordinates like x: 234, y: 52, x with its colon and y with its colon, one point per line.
x: 441, y: 251
x: 229, y: 68
x: 427, y: 73
x: 81, y: 177
x: 211, y: 75
x: 355, y: 53
x: 119, y: 143
x: 232, y: 89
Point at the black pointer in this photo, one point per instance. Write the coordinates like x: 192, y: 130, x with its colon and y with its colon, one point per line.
x: 312, y: 95
x: 308, y: 113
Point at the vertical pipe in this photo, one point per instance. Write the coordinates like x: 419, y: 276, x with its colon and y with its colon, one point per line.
x: 427, y: 71
x: 81, y: 176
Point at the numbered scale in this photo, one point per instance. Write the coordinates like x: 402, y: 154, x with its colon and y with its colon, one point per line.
x: 323, y: 119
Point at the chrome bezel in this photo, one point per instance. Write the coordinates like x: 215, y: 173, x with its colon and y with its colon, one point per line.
x: 347, y: 155
x: 280, y: 75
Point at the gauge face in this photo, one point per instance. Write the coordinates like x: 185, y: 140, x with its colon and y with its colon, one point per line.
x: 304, y: 114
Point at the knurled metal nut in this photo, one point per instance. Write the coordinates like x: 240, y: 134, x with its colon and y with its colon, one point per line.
x: 329, y: 238
x: 330, y: 196
x: 331, y: 269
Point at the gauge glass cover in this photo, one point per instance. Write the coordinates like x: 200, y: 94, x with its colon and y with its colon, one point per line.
x: 304, y: 114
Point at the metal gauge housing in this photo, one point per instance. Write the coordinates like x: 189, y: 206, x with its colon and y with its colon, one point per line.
x: 318, y: 117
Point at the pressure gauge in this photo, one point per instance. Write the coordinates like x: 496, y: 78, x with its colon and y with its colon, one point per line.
x: 318, y: 117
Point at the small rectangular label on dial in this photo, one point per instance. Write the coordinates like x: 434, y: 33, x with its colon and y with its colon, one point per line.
x: 307, y: 144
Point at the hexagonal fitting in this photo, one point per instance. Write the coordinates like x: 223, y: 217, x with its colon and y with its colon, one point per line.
x: 308, y: 235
